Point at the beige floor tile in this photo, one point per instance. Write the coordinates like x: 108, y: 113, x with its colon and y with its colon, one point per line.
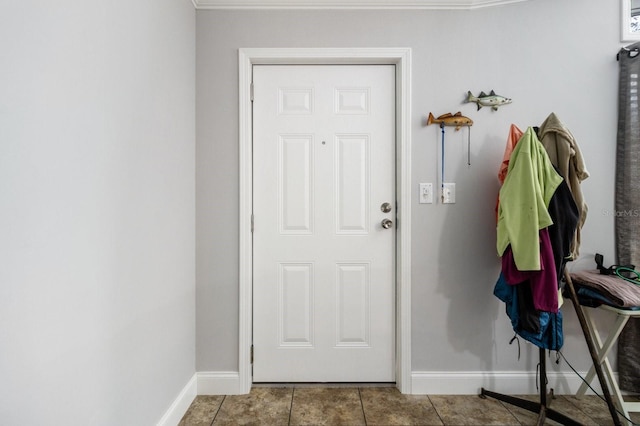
x: 373, y: 405
x: 387, y: 406
x: 594, y: 407
x: 323, y: 406
x: 202, y: 411
x: 558, y: 403
x: 263, y: 406
x: 471, y: 410
x: 527, y: 417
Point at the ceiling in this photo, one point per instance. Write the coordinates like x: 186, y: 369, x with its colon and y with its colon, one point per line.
x: 349, y: 4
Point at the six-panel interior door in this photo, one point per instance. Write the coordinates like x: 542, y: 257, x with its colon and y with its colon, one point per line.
x: 324, y: 264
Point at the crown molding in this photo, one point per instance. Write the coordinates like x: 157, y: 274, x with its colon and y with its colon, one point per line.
x: 349, y: 4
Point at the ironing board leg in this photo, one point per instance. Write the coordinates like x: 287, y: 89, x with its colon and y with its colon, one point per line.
x: 602, y: 349
x: 592, y: 350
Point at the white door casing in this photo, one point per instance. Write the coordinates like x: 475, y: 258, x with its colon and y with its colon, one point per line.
x: 324, y: 275
x: 401, y: 58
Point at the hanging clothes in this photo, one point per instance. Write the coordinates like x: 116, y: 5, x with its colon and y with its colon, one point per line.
x: 555, y: 243
x: 565, y: 155
x: 565, y: 215
x: 514, y: 136
x: 525, y: 301
x: 543, y: 329
x: 524, y: 200
x: 543, y: 283
x: 537, y: 199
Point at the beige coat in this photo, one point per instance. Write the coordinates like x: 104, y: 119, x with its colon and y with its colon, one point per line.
x: 565, y: 155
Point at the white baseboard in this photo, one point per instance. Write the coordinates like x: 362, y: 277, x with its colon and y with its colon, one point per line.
x: 219, y: 383
x: 181, y: 404
x: 508, y: 382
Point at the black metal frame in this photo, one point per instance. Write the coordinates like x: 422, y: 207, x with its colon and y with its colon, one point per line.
x: 542, y: 407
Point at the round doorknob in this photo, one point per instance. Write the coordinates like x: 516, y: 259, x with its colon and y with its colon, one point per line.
x: 386, y: 223
x: 385, y: 207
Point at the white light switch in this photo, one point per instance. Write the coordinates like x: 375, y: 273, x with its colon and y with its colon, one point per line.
x: 449, y: 193
x: 426, y: 193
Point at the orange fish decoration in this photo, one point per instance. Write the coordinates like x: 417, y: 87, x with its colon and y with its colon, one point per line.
x: 456, y: 120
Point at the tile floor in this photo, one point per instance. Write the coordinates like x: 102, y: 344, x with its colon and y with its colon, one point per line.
x: 368, y: 405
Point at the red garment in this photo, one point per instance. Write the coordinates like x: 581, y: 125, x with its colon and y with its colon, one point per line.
x: 544, y: 283
x: 514, y: 136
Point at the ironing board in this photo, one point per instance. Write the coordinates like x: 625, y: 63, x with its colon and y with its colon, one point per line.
x: 602, y: 348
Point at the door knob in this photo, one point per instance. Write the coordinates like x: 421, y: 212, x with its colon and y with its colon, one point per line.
x: 386, y: 223
x: 385, y: 207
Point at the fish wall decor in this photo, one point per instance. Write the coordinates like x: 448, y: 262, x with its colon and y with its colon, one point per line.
x: 491, y: 100
x: 456, y: 120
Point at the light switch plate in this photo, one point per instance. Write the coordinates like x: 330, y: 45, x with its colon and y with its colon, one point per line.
x: 449, y: 193
x: 426, y: 193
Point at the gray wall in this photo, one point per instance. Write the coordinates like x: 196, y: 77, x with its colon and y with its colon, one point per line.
x: 97, y: 210
x: 548, y: 55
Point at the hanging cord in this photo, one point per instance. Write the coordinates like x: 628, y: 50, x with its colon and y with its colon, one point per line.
x: 592, y: 389
x: 442, y: 165
x: 515, y: 337
x: 546, y: 381
x: 469, y: 146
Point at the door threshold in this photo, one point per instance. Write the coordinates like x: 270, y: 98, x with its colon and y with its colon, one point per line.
x: 326, y: 385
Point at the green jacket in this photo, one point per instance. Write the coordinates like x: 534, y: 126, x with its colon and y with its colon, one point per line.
x: 524, y: 200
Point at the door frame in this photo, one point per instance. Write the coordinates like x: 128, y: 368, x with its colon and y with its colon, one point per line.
x: 401, y: 58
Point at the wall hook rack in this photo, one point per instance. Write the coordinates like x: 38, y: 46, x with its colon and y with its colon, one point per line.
x: 456, y: 120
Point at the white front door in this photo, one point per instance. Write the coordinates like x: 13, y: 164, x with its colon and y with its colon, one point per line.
x: 324, y: 265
